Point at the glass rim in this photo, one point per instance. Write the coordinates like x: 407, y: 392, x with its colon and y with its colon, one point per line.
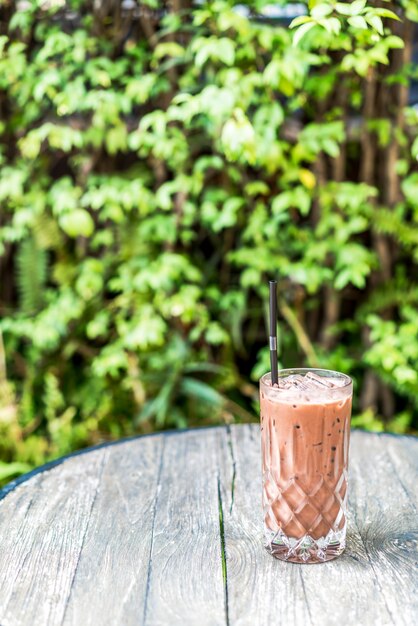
x: 297, y: 370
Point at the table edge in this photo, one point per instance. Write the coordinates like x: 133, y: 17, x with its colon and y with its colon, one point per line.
x: 46, y: 467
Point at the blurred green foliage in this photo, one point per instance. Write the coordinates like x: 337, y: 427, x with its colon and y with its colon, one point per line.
x: 158, y: 165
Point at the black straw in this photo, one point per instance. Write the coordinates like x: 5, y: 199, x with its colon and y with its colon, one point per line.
x: 273, y: 332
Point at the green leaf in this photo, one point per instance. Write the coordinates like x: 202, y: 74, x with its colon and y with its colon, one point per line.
x: 8, y: 470
x: 414, y: 149
x: 90, y: 281
x: 297, y: 198
x: 394, y: 42
x: 159, y: 406
x: 321, y: 10
x: 170, y: 49
x: 357, y: 6
x: 386, y: 13
x: 298, y: 21
x: 211, y: 368
x: 332, y: 25
x: 117, y: 139
x: 301, y: 32
x: 343, y: 8
x: 331, y: 147
x: 201, y: 391
x: 238, y: 137
x: 3, y: 41
x: 358, y: 22
x: 225, y: 50
x: 343, y: 279
x: 76, y: 223
x: 352, y: 8
x: 410, y: 188
x: 221, y: 48
x: 375, y: 22
x: 216, y: 335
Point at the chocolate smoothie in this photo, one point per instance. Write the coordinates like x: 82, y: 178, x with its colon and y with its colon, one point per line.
x: 305, y: 431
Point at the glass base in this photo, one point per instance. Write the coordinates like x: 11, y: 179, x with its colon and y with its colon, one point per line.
x: 305, y: 549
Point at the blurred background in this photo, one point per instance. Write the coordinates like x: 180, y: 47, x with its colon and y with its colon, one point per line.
x: 159, y: 163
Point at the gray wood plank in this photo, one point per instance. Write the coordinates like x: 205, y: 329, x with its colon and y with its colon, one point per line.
x: 185, y: 578
x: 110, y: 583
x: 403, y: 457
x: 134, y: 534
x: 261, y: 590
x: 43, y: 524
x: 359, y: 587
x: 385, y: 503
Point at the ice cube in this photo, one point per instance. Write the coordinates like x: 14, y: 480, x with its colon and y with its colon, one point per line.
x: 310, y: 382
x: 339, y: 382
x: 319, y: 381
x: 296, y: 381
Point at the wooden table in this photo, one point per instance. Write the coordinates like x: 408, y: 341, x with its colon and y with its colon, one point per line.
x: 166, y: 530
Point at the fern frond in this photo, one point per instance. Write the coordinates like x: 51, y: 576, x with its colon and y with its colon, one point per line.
x: 31, y: 272
x: 393, y: 293
x: 393, y: 222
x: 47, y: 233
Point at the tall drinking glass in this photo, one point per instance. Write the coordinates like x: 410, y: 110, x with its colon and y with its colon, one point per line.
x: 305, y: 435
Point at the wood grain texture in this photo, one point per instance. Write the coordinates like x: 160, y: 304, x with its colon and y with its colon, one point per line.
x: 385, y: 503
x: 136, y: 533
x: 42, y: 529
x: 114, y: 562
x: 185, y: 580
x: 374, y: 582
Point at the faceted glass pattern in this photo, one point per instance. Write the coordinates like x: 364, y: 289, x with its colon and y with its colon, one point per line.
x: 311, y: 526
x: 305, y: 432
